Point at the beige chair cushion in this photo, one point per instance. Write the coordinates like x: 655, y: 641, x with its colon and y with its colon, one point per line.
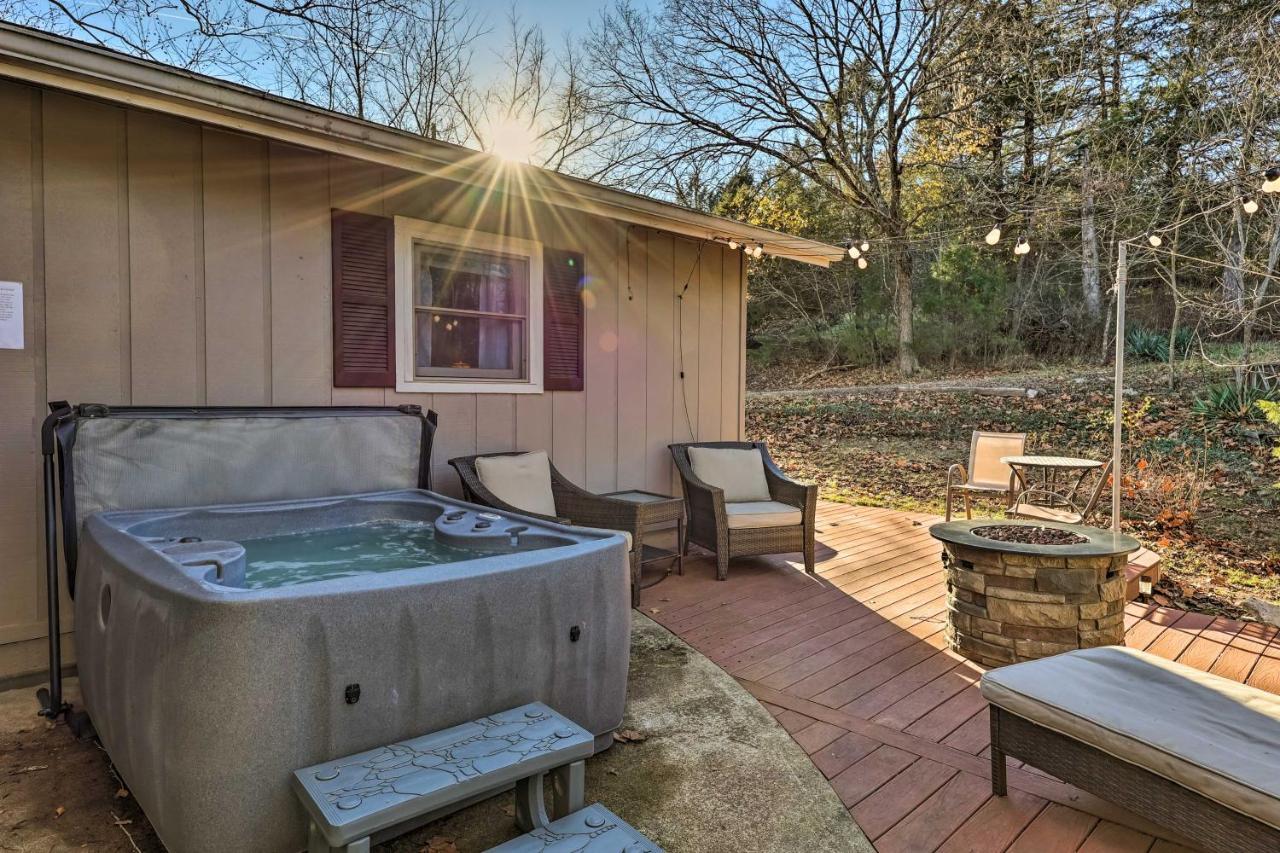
x: 1213, y: 735
x: 762, y: 514
x: 524, y: 480
x: 739, y: 472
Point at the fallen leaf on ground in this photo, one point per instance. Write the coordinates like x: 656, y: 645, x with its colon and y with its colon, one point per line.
x: 59, y: 812
x: 629, y: 736
x: 122, y: 793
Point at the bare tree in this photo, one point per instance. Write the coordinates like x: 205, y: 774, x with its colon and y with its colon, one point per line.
x: 831, y: 91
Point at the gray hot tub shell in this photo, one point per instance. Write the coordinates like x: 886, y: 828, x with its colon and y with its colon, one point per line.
x: 207, y: 696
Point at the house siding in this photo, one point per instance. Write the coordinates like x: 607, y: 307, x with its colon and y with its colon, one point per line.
x: 169, y: 263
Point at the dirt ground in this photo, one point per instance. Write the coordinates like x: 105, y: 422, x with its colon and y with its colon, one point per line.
x: 1200, y: 491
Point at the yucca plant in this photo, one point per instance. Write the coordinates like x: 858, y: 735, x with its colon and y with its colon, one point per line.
x: 1183, y: 340
x: 1232, y: 401
x: 1146, y: 345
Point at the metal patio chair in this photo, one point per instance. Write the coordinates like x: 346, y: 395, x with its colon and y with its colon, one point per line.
x: 986, y: 474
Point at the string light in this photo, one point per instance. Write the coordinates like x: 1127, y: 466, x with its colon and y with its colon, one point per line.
x: 866, y: 247
x: 1272, y: 182
x: 993, y: 236
x: 1155, y: 241
x: 853, y: 251
x: 1023, y: 247
x: 758, y: 251
x: 862, y: 263
x: 733, y: 244
x: 1249, y: 205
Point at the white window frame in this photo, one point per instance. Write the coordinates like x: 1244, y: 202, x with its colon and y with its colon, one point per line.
x: 409, y: 231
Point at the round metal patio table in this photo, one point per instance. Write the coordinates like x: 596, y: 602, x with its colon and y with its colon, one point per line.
x: 1058, y: 481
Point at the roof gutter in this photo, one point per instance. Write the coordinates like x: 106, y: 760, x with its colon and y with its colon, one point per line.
x: 50, y: 61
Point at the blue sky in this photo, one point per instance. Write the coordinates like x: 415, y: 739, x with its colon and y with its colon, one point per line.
x: 557, y: 18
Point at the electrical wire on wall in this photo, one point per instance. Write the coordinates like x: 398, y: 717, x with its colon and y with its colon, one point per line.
x: 684, y: 390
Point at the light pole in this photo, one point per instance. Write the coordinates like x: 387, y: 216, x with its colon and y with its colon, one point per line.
x: 1117, y: 428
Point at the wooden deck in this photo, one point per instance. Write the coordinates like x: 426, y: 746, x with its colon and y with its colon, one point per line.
x: 854, y: 664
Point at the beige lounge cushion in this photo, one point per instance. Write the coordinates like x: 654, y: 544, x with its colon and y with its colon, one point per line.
x: 740, y: 473
x: 1213, y: 735
x: 523, y: 480
x: 762, y: 514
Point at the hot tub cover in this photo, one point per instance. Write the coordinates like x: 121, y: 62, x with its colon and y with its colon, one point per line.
x: 137, y: 457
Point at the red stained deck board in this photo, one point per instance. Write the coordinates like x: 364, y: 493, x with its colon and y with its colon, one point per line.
x: 1108, y: 837
x: 937, y: 817
x: 996, y: 824
x: 877, y: 812
x: 874, y: 701
x: 814, y: 737
x: 1057, y: 829
x: 949, y: 716
x: 974, y: 735
x: 868, y: 774
x: 906, y: 711
x: 837, y: 756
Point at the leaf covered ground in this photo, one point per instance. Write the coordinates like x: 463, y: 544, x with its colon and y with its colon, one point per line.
x: 1202, y: 492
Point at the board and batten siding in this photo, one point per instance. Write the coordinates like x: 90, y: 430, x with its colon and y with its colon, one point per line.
x: 169, y: 263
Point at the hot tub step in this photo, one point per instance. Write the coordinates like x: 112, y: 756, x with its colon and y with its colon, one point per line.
x: 594, y: 829
x: 395, y: 788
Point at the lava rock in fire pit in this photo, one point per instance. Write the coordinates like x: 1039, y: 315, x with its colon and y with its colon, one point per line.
x: 1029, y: 535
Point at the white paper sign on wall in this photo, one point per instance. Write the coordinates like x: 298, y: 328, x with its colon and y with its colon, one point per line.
x: 11, y: 315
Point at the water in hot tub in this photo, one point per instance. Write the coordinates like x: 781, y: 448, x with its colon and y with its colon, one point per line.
x: 339, y: 552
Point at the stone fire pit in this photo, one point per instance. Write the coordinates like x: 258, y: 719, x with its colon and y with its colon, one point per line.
x: 1011, y: 600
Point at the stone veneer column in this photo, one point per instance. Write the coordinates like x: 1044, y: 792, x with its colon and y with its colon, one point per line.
x: 1006, y: 607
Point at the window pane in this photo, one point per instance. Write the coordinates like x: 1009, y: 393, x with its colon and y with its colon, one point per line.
x: 451, y: 344
x: 469, y: 281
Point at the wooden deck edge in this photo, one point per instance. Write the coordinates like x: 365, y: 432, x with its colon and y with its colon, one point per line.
x: 1031, y: 783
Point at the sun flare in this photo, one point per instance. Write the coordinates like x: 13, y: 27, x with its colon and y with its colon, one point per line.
x: 511, y: 140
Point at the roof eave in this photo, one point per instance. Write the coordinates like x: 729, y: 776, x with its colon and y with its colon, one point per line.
x: 46, y: 60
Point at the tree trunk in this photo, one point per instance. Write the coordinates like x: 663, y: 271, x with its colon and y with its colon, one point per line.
x: 904, y: 306
x: 1090, y: 276
x: 1232, y: 277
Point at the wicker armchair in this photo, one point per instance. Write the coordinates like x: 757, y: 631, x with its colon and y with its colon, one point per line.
x: 574, y: 505
x: 708, y: 523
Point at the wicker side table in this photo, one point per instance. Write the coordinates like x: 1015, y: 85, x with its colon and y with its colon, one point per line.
x: 655, y: 509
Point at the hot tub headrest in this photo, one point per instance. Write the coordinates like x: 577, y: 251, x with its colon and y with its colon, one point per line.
x: 158, y: 458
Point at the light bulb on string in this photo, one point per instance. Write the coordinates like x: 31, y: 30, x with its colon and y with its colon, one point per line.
x: 993, y: 236
x: 733, y: 244
x: 1271, y: 184
x: 758, y: 251
x: 1155, y: 241
x: 1249, y: 205
x: 862, y: 263
x: 866, y: 247
x: 1023, y: 247
x: 853, y: 251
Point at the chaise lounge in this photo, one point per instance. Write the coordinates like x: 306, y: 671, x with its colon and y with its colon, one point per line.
x: 1195, y: 752
x: 739, y: 503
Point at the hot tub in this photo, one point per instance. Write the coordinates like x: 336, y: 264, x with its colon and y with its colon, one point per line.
x: 220, y: 648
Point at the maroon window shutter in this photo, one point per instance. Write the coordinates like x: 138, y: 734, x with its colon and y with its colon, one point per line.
x: 562, y: 320
x: 364, y: 345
